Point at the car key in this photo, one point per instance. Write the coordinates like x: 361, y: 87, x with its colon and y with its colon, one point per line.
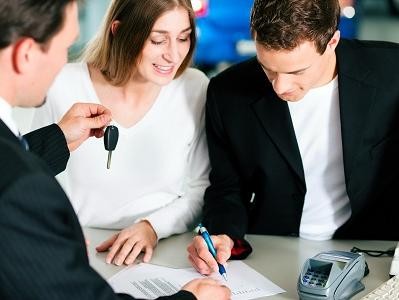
x: 111, y: 136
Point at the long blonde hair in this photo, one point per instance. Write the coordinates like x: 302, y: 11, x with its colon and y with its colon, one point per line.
x: 116, y: 55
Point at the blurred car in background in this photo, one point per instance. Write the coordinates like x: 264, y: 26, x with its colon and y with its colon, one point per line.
x: 224, y: 36
x: 349, y: 19
x: 222, y: 31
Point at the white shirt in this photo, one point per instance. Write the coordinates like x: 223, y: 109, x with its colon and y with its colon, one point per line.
x: 159, y: 169
x: 317, y: 125
x: 6, y: 116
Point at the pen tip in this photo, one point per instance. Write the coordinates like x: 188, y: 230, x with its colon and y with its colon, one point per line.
x: 224, y: 276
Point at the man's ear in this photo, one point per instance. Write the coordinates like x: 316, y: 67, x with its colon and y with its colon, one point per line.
x: 23, y: 52
x: 333, y: 43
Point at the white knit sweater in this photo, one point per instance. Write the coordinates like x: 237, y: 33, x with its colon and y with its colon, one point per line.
x: 159, y: 168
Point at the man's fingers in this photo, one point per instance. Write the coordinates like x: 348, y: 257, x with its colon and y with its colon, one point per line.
x: 223, y: 254
x: 199, y: 252
x: 200, y: 265
x: 206, y: 256
x: 98, y: 133
x: 97, y: 122
x: 201, y: 257
x: 97, y: 109
x: 89, y: 109
x: 97, y: 115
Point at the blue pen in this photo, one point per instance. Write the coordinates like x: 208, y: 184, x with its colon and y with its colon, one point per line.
x: 205, y: 234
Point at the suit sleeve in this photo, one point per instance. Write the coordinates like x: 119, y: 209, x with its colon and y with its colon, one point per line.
x: 224, y: 210
x: 43, y: 252
x: 50, y: 145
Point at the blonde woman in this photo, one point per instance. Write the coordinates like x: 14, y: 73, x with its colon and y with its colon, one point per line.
x: 137, y: 66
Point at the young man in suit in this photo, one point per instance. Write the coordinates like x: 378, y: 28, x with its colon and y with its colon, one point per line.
x: 303, y: 139
x: 43, y: 252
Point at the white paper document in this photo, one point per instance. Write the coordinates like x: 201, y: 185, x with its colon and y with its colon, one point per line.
x: 151, y: 281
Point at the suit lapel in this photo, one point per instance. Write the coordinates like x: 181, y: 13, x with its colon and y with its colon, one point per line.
x: 6, y: 133
x: 356, y: 97
x: 273, y: 114
x: 355, y: 102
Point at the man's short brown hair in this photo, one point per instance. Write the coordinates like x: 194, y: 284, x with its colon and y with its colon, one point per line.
x: 284, y: 24
x: 37, y: 19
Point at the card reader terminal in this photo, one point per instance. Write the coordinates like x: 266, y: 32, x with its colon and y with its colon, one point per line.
x: 332, y: 275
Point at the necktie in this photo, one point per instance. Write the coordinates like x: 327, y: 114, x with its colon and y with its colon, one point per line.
x: 23, y: 142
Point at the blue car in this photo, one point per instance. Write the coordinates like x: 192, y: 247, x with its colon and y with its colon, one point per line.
x: 349, y: 19
x: 224, y: 35
x: 223, y: 32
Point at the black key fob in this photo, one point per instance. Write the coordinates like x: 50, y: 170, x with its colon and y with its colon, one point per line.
x: 111, y: 136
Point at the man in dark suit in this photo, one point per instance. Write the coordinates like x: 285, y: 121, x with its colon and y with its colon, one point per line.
x: 43, y: 253
x: 303, y: 139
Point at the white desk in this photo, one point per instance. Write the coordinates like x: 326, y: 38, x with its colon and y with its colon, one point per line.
x: 278, y: 258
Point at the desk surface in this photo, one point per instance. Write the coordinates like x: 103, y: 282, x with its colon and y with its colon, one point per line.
x: 278, y: 258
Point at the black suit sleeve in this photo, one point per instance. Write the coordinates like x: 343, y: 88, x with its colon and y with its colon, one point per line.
x: 224, y: 210
x: 43, y: 253
x: 50, y: 145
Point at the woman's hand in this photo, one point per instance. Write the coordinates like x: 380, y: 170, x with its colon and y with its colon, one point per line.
x: 125, y: 246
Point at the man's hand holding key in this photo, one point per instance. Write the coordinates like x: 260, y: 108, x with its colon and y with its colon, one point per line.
x: 82, y: 121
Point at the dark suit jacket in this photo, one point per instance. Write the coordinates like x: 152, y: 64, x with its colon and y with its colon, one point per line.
x: 43, y: 253
x: 253, y: 148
